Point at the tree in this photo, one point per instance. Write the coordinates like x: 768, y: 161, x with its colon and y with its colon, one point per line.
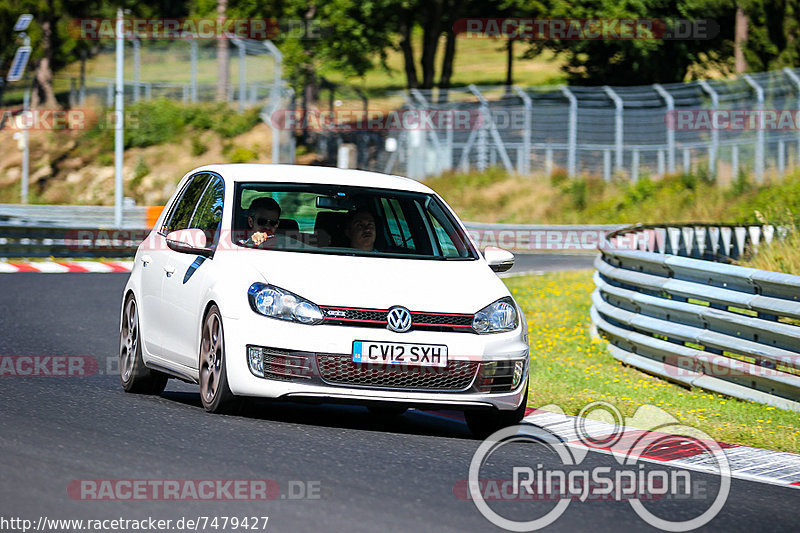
x: 637, y: 61
x: 773, y: 35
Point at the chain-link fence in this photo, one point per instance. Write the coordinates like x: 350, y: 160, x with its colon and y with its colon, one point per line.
x: 749, y: 123
x: 187, y: 71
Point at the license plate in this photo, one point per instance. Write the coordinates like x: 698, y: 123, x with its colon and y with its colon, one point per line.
x: 399, y: 353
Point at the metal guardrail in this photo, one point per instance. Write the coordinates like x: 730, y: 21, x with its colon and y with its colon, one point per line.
x: 670, y: 305
x: 71, y: 216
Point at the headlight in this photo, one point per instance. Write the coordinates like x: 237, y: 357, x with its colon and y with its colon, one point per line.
x: 275, y: 302
x: 496, y: 317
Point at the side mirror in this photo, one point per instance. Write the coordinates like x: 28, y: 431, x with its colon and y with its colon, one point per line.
x: 499, y: 260
x: 189, y: 241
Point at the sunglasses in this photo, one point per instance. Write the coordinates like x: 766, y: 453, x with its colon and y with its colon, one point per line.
x: 267, y: 221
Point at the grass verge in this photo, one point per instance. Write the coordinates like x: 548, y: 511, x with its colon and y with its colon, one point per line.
x: 570, y: 369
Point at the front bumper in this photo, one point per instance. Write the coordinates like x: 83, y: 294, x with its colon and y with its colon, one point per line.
x: 323, y: 371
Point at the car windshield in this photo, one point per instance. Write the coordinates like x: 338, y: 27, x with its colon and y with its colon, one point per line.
x: 344, y: 220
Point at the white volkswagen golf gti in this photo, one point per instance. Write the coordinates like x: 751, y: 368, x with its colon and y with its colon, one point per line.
x: 320, y: 284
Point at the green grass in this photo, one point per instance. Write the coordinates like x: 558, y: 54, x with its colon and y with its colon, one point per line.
x: 570, y: 369
x: 495, y: 196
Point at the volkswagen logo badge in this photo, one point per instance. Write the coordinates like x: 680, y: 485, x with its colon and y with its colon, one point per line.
x: 398, y: 319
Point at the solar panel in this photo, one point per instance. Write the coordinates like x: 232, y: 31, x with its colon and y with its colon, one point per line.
x: 23, y: 22
x: 20, y: 62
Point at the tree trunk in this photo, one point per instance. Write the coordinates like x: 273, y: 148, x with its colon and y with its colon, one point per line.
x: 447, y: 64
x: 223, y: 55
x: 44, y: 71
x: 408, y: 53
x: 741, y: 37
x: 510, y: 64
x: 432, y: 29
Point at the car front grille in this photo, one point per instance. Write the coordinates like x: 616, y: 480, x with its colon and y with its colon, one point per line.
x: 338, y: 369
x: 376, y: 318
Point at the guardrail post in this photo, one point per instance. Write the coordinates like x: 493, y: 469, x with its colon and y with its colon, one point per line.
x: 661, y: 167
x: 781, y: 157
x: 713, y: 150
x: 796, y: 80
x: 687, y: 160
x: 606, y: 165
x: 635, y: 165
x: 524, y: 157
x: 759, y: 163
x: 670, y: 101
x: 617, y: 125
x: 735, y: 160
x: 572, y: 133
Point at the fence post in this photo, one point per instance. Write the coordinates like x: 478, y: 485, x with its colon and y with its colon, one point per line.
x: 137, y: 63
x: 606, y: 165
x: 635, y: 165
x: 524, y: 161
x: 713, y: 151
x: 498, y: 141
x: 617, y: 125
x: 796, y: 80
x: 759, y: 163
x: 572, y: 133
x: 670, y: 101
x: 735, y: 160
x: 193, y: 55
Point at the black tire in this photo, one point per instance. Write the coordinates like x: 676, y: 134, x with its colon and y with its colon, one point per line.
x: 215, y: 393
x: 387, y: 410
x: 483, y: 423
x: 134, y: 376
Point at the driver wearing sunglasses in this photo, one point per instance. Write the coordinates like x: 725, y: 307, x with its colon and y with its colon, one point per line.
x: 263, y: 219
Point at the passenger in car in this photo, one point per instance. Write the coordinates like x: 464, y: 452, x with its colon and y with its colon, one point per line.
x: 263, y: 219
x: 360, y: 230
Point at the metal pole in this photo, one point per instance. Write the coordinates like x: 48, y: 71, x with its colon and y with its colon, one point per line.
x: 524, y: 166
x: 617, y: 125
x: 572, y: 133
x: 242, y: 73
x: 713, y: 151
x: 796, y: 79
x: 136, y: 68
x: 119, y: 122
x: 760, y: 131
x: 26, y: 155
x: 193, y: 54
x: 670, y: 101
x: 275, y: 99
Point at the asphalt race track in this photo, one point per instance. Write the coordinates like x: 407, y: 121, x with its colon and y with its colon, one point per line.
x: 363, y: 472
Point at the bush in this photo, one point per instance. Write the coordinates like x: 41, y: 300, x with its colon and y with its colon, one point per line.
x: 241, y: 155
x: 198, y: 146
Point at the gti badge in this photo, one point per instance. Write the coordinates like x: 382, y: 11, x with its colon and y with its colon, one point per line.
x: 398, y: 319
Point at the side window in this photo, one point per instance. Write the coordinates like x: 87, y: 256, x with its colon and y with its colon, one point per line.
x: 184, y: 208
x: 399, y: 232
x: 208, y: 214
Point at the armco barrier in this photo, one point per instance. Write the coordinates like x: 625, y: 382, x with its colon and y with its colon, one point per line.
x: 670, y: 305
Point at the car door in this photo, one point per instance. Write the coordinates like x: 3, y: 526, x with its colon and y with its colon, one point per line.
x: 185, y: 284
x: 153, y: 260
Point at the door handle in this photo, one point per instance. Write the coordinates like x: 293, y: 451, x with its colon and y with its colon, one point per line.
x: 146, y: 260
x: 169, y: 269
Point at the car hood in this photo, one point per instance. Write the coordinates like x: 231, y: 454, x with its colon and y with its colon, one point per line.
x: 380, y: 283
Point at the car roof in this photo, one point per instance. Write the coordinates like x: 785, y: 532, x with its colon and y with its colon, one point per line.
x: 266, y: 173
